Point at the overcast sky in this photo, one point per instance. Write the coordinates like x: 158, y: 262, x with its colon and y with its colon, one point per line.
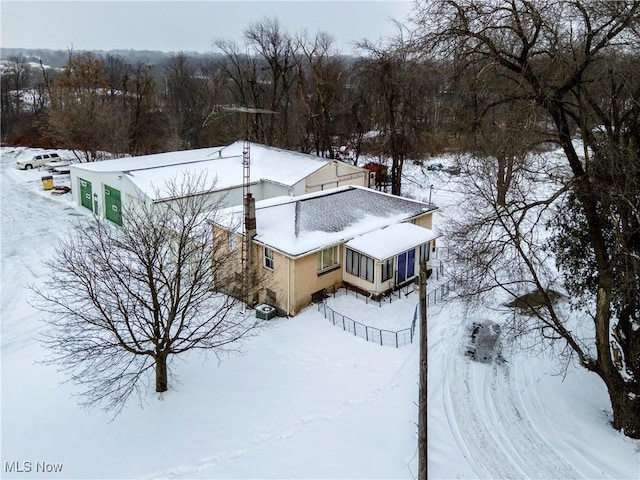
x: 185, y: 25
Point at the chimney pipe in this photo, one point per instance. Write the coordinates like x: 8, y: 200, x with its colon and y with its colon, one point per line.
x: 297, y: 219
x: 250, y: 226
x: 249, y: 204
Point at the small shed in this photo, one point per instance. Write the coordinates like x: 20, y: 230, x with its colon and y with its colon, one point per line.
x: 380, y: 177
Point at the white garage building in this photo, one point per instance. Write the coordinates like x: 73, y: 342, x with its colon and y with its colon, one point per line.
x: 103, y: 187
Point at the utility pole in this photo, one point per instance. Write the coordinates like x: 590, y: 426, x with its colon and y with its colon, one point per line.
x: 422, y: 395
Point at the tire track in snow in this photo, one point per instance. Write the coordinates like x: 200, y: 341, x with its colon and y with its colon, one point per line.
x: 26, y: 224
x: 473, y: 434
x: 491, y: 426
x: 535, y: 455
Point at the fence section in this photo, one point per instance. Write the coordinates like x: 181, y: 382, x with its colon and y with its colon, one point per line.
x: 434, y: 296
x: 439, y: 293
x: 370, y: 334
x: 377, y: 335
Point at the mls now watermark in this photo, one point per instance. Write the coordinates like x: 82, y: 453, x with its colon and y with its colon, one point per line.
x: 29, y: 467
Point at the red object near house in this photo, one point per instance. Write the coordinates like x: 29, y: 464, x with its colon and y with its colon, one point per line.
x: 380, y: 171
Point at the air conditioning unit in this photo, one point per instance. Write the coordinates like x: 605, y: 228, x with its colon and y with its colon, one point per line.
x: 265, y: 312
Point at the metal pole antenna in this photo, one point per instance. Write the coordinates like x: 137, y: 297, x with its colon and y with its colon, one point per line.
x: 249, y: 223
x: 248, y: 203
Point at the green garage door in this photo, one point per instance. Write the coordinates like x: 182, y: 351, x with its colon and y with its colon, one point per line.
x: 85, y: 194
x: 112, y: 205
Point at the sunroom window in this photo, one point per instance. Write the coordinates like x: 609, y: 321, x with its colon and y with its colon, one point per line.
x: 360, y: 265
x: 387, y: 269
x: 424, y: 252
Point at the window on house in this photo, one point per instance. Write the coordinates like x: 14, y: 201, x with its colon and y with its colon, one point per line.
x: 233, y: 242
x: 351, y: 267
x: 424, y: 252
x: 360, y: 265
x: 268, y: 258
x: 327, y: 258
x: 387, y: 269
x: 352, y: 262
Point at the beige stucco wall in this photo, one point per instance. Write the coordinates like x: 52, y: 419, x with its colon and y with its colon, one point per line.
x: 293, y: 280
x: 358, y: 282
x: 307, y: 280
x: 336, y: 174
x: 229, y: 278
x: 276, y: 280
x: 425, y: 220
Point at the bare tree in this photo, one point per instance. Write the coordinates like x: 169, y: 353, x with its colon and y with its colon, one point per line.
x: 81, y: 115
x: 321, y: 77
x: 396, y: 74
x: 553, y: 54
x: 16, y: 78
x: 145, y: 122
x: 121, y: 301
x: 262, y: 76
x: 186, y: 105
x: 274, y: 46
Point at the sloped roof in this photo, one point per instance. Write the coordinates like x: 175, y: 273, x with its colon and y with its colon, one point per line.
x: 155, y: 160
x: 150, y: 173
x: 326, y: 218
x: 392, y: 240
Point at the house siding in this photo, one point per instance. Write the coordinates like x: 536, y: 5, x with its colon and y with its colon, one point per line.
x: 425, y: 221
x: 307, y: 280
x: 336, y: 174
x: 275, y: 280
x: 292, y: 280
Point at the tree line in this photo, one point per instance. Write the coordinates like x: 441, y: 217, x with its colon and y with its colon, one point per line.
x: 388, y: 101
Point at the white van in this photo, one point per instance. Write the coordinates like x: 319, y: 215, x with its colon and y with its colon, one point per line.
x: 37, y: 160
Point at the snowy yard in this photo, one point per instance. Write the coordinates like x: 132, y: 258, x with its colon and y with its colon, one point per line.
x: 306, y: 400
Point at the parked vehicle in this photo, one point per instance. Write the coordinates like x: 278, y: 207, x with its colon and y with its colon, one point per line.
x: 482, y: 342
x: 37, y: 161
x: 436, y: 167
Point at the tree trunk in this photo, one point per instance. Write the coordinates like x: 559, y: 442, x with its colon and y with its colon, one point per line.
x: 396, y: 176
x: 505, y: 174
x: 161, y: 373
x: 625, y: 401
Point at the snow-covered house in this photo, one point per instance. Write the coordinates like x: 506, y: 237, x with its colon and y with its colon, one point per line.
x: 307, y: 245
x: 103, y: 187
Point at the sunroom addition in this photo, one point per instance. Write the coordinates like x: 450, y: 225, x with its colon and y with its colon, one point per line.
x: 384, y: 259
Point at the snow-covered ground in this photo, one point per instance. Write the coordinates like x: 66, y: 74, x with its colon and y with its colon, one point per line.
x: 306, y: 400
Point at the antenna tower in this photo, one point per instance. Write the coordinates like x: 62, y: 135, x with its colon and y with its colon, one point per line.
x: 248, y: 203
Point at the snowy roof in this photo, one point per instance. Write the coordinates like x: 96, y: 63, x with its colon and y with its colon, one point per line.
x: 392, y: 240
x: 151, y: 173
x: 156, y: 160
x: 326, y: 218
